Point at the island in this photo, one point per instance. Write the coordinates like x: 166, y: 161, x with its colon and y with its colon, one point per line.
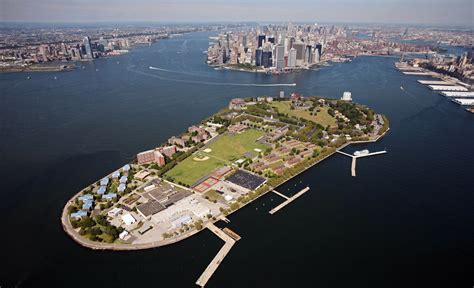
x: 216, y: 167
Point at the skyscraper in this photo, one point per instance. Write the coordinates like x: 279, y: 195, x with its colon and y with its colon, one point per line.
x: 319, y: 47
x: 88, y: 48
x: 280, y: 57
x: 260, y: 39
x: 292, y: 58
x: 308, y: 56
x: 258, y: 56
x: 300, y: 49
x: 267, y: 59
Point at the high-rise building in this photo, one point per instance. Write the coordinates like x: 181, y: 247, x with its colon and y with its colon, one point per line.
x: 244, y: 41
x: 292, y: 58
x: 271, y: 39
x: 88, y: 47
x: 267, y: 59
x: 319, y: 47
x: 258, y: 56
x: 280, y: 57
x: 300, y: 49
x: 260, y: 40
x: 308, y: 56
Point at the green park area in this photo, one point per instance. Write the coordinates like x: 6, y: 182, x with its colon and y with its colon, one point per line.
x: 193, y: 168
x: 231, y: 147
x: 224, y: 149
x: 322, y: 117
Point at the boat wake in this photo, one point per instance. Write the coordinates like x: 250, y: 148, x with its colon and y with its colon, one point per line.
x: 205, y: 82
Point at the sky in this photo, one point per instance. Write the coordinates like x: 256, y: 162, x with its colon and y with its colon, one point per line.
x: 441, y: 12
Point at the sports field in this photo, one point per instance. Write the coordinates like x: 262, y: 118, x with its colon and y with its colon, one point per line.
x: 189, y: 170
x: 225, y: 148
x: 322, y: 117
x: 232, y: 147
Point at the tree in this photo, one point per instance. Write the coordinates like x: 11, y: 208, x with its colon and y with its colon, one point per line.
x: 87, y: 222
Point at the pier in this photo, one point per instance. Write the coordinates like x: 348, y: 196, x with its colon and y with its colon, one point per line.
x: 279, y: 194
x: 229, y: 242
x: 288, y: 200
x: 354, y: 159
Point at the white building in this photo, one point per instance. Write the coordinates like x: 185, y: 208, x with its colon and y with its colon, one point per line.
x: 347, y: 96
x: 128, y: 219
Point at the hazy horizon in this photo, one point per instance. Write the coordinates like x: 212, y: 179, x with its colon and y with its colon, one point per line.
x: 404, y: 12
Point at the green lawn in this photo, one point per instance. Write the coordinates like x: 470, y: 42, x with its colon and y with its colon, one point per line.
x: 322, y: 117
x: 232, y: 147
x: 189, y: 170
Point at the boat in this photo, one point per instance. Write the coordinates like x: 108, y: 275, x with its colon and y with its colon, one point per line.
x: 401, y: 87
x: 361, y: 152
x: 28, y: 77
x: 55, y: 78
x: 470, y: 110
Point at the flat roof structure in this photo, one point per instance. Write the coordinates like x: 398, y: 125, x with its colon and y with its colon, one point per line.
x: 246, y: 180
x: 464, y: 102
x: 123, y: 179
x: 150, y: 208
x: 104, y: 181
x: 458, y: 94
x: 101, y: 190
x: 447, y: 88
x: 79, y: 214
x: 434, y: 82
x: 142, y: 174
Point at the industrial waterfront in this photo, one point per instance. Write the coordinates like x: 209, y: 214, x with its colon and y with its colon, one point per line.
x: 411, y: 202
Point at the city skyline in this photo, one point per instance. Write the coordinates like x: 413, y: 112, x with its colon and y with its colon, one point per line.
x: 458, y: 12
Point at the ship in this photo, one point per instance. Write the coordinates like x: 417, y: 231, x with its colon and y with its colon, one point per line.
x: 361, y: 153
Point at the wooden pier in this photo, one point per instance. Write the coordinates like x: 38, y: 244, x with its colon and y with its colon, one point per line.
x: 229, y: 242
x: 288, y: 200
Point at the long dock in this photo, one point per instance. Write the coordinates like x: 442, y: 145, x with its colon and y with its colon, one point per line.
x: 288, y: 201
x: 354, y: 159
x: 212, y: 267
x: 353, y: 166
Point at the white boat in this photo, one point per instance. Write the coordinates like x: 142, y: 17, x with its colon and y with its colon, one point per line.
x: 361, y: 153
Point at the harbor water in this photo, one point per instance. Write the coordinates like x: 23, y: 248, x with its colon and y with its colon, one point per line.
x: 406, y: 220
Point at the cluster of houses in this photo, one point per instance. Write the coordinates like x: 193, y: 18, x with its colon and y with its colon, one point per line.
x: 195, y: 134
x: 285, y: 156
x: 339, y: 115
x: 87, y: 200
x: 241, y: 104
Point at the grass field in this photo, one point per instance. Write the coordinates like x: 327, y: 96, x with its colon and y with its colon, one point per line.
x: 189, y: 171
x: 322, y: 117
x: 232, y: 147
x: 226, y: 148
